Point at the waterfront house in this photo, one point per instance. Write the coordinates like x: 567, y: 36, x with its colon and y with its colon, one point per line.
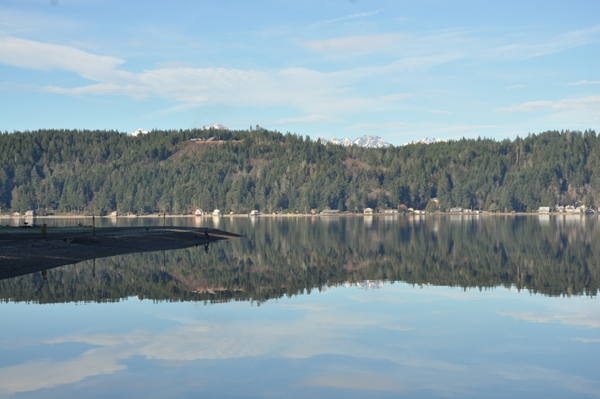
x: 368, y: 211
x: 216, y: 212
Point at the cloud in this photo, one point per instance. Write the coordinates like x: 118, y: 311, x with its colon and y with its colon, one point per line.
x: 306, y: 119
x: 352, y: 16
x: 584, y: 82
x: 425, y: 127
x: 591, y: 103
x: 37, y: 55
x: 556, y: 44
x: 355, y: 44
x: 440, y: 112
x: 312, y: 91
x: 514, y: 87
x: 396, y: 97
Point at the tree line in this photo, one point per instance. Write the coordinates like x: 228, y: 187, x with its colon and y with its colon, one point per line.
x: 177, y: 171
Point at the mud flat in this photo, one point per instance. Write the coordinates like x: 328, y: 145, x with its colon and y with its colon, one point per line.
x: 25, y: 250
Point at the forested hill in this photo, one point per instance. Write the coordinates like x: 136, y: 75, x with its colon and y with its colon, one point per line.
x: 101, y: 171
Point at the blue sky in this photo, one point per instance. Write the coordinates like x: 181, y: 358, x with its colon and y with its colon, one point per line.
x: 397, y: 69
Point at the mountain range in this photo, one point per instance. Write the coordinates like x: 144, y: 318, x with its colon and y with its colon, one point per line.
x: 364, y: 141
x: 426, y: 140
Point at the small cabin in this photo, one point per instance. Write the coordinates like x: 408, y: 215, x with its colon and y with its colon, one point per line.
x: 216, y: 212
x: 254, y: 212
x: 368, y: 211
x: 30, y: 213
x: 199, y: 212
x: 544, y: 209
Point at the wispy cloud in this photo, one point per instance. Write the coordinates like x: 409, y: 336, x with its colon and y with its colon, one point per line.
x: 591, y: 103
x: 514, y: 87
x: 429, y: 127
x: 440, y: 112
x: 31, y: 54
x: 538, y: 48
x: 352, y: 16
x: 396, y: 97
x: 307, y: 119
x: 584, y: 82
x: 355, y: 44
x: 312, y: 91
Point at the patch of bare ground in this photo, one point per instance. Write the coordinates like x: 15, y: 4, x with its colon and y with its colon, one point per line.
x: 256, y: 162
x: 355, y: 265
x: 354, y: 165
x: 198, y: 146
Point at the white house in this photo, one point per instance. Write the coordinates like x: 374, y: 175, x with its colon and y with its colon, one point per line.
x: 199, y: 212
x: 368, y: 211
x: 216, y: 212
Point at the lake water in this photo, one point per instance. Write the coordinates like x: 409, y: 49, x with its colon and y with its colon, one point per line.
x: 390, y: 306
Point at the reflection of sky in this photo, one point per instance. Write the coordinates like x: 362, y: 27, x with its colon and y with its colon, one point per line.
x: 343, y: 342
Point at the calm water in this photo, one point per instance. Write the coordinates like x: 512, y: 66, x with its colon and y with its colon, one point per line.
x: 318, y: 307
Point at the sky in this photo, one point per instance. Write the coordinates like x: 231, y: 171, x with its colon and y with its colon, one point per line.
x: 401, y: 70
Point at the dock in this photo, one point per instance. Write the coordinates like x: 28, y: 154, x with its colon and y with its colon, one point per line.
x: 29, y: 250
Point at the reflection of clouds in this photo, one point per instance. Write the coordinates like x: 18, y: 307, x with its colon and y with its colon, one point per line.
x: 526, y: 372
x: 47, y: 374
x: 320, y: 329
x: 586, y: 340
x: 588, y: 319
x: 364, y: 381
x: 398, y: 328
x: 350, y: 333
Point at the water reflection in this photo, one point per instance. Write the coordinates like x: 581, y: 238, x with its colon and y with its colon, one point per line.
x: 289, y: 256
x: 359, y: 334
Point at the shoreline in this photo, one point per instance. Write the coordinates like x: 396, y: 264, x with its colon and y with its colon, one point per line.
x: 344, y: 214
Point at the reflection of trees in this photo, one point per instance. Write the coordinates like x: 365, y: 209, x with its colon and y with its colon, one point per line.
x: 278, y: 258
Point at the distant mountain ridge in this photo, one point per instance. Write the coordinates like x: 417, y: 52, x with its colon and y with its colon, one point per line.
x: 364, y: 141
x: 139, y: 131
x: 426, y: 140
x: 216, y: 126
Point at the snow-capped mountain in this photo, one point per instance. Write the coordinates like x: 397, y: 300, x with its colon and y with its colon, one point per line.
x: 139, y: 131
x: 216, y: 126
x: 364, y: 141
x: 426, y: 140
